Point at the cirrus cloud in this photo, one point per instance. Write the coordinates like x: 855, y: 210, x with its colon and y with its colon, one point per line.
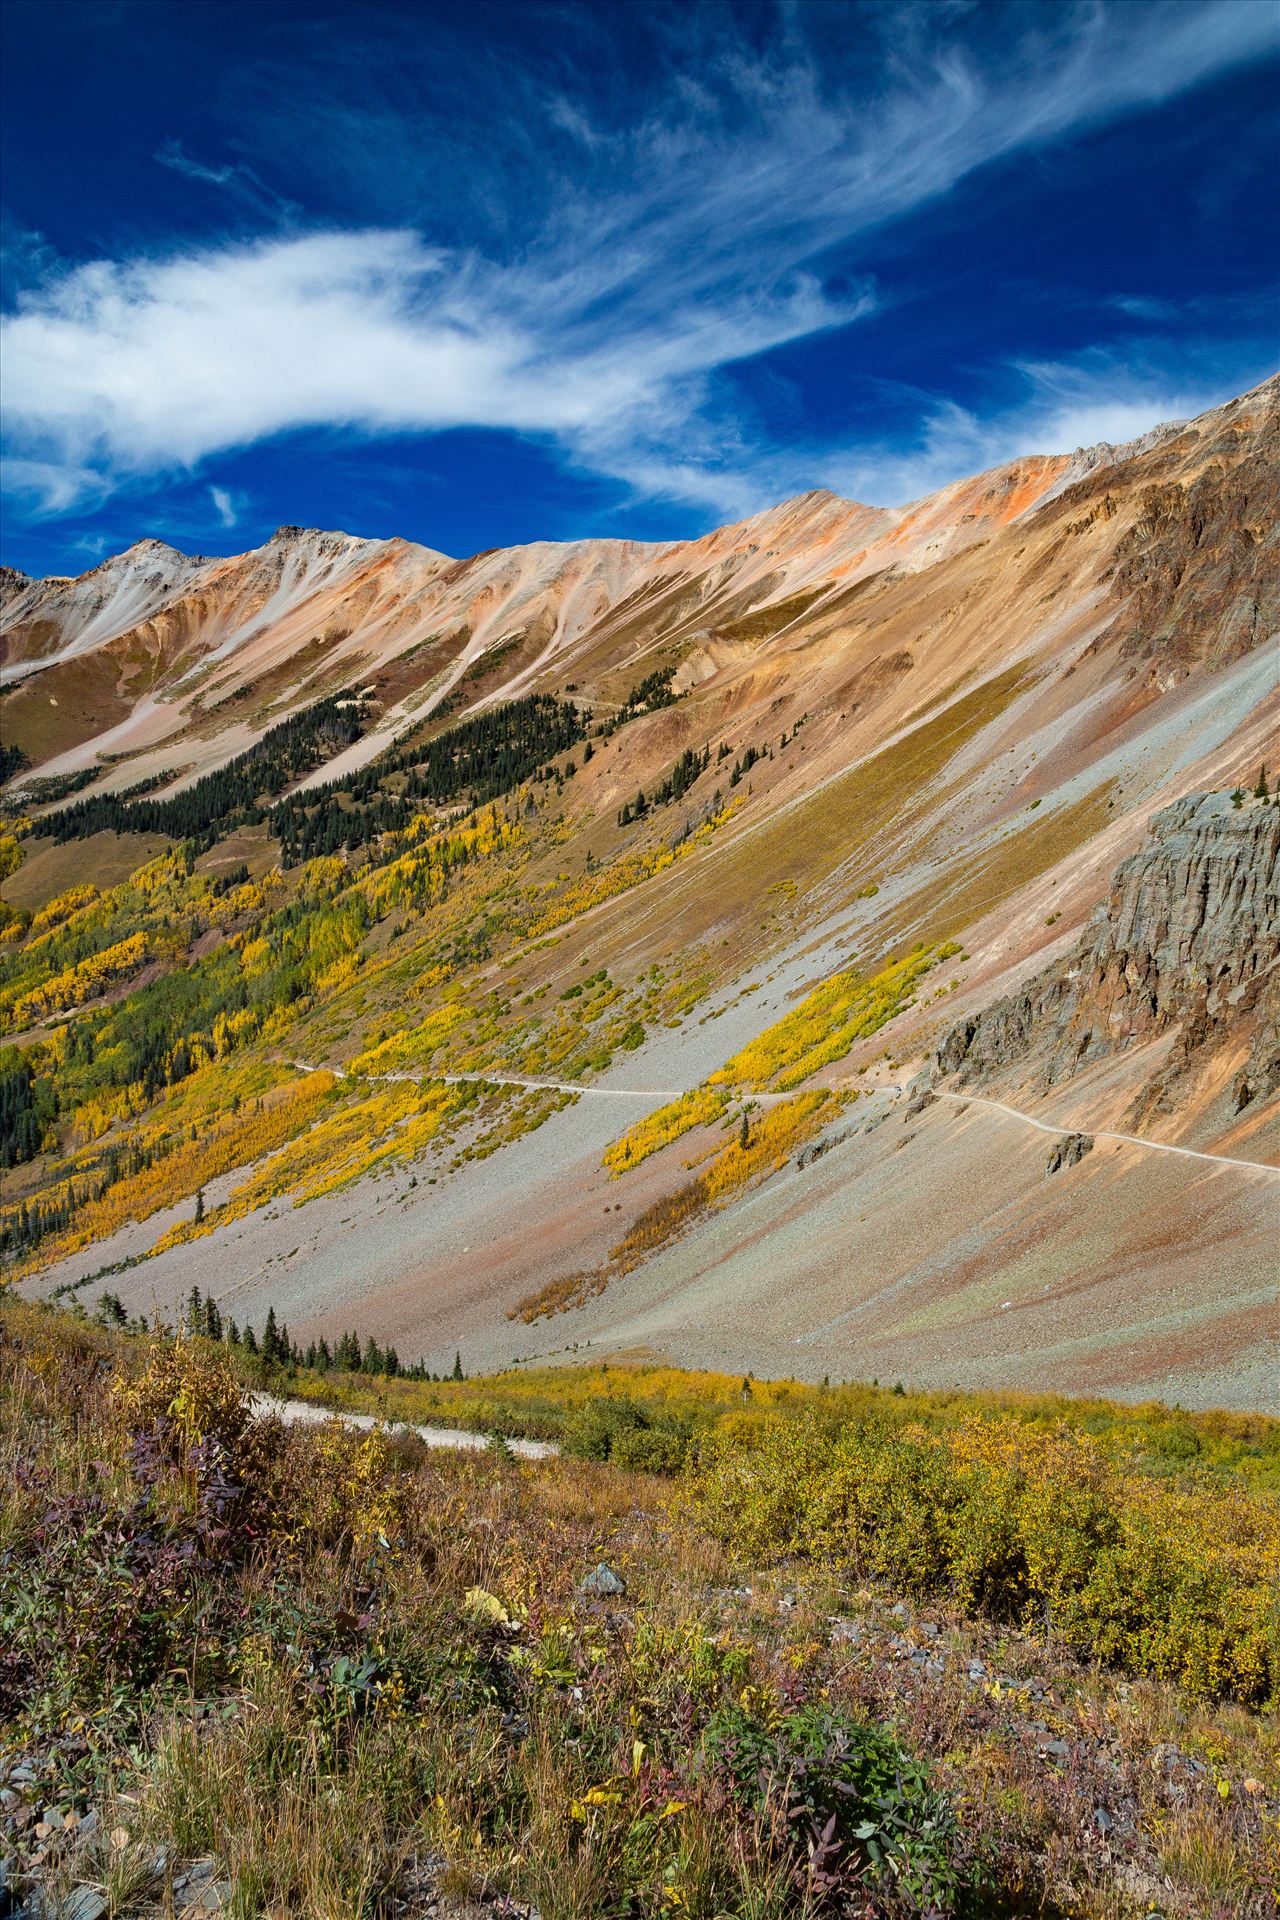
x: 674, y: 248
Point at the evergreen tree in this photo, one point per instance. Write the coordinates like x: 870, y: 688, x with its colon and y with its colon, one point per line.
x: 1260, y: 791
x: 744, y: 1133
x: 271, y: 1349
x: 457, y: 1367
x: 199, y: 1202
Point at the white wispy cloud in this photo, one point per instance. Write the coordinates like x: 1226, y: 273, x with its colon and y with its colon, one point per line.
x: 670, y: 250
x: 1059, y: 406
x: 239, y: 181
x: 224, y: 506
x: 170, y: 154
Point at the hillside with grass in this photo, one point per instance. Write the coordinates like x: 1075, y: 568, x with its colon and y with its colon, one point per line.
x: 740, y: 1648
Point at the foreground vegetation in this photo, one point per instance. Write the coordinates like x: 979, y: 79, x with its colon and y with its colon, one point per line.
x: 326, y: 1672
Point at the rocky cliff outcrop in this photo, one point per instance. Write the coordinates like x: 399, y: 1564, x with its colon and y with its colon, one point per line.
x: 1189, y: 937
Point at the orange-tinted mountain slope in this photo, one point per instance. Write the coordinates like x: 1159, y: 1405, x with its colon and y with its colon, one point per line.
x: 858, y: 800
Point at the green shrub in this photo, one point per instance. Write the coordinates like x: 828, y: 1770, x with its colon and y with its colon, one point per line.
x: 1025, y: 1524
x: 858, y: 1808
x: 618, y: 1429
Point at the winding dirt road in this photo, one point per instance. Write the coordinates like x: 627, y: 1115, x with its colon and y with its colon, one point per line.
x: 1130, y: 1139
x: 889, y: 1087
x: 1101, y: 1133
x: 305, y: 1413
x: 530, y: 1084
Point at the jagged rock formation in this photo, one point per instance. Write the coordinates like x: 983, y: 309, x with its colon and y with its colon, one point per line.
x: 1188, y: 937
x: 1069, y: 1151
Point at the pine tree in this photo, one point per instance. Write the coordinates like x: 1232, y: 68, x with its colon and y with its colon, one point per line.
x: 1260, y: 791
x: 744, y: 1133
x: 199, y: 1205
x: 195, y: 1312
x: 457, y: 1367
x: 271, y: 1338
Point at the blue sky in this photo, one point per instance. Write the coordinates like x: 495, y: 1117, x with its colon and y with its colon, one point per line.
x: 480, y: 273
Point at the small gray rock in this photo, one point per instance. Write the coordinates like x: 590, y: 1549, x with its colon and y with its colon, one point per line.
x: 603, y: 1580
x: 86, y: 1903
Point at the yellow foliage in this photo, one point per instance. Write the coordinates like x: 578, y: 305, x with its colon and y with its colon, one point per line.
x: 355, y: 1495
x: 827, y: 1023
x: 393, y: 1123
x: 772, y: 1139
x: 190, y: 1383
x: 231, y: 1030
x: 697, y: 1108
x: 1039, y: 1524
x: 81, y: 982
x: 231, y: 1140
x: 419, y: 1046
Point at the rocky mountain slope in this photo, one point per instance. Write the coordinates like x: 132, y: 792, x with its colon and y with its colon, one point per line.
x: 802, y: 748
x: 157, y: 662
x: 1187, y: 944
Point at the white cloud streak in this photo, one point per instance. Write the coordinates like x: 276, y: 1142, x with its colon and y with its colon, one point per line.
x: 691, y: 247
x: 223, y: 506
x: 171, y: 155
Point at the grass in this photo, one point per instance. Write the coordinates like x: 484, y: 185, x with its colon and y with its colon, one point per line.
x: 106, y: 858
x: 973, y: 887
x: 343, y: 1676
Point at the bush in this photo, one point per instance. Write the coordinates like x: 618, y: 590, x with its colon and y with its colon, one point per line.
x: 616, y: 1428
x: 186, y: 1396
x: 1026, y: 1525
x: 857, y: 1807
